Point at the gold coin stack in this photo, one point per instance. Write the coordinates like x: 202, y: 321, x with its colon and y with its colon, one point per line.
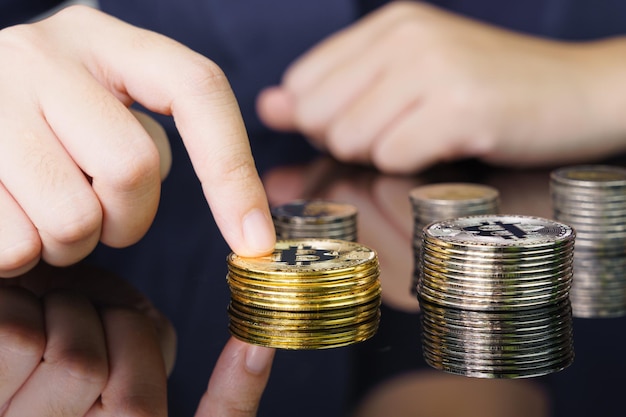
x: 315, y: 219
x: 309, y: 294
x: 592, y: 199
x: 494, y: 296
x: 442, y: 201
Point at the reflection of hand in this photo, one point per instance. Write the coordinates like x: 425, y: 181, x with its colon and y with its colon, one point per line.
x: 428, y: 393
x: 80, y: 342
x: 237, y: 382
x: 384, y: 221
x: 411, y: 85
x: 77, y: 167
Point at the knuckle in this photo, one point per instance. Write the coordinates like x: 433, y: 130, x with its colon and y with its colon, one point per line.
x: 386, y: 160
x: 314, y: 116
x: 342, y: 146
x: 421, y: 11
x: 382, y: 163
x: 77, y: 224
x: 21, y: 43
x: 75, y: 11
x: 17, y: 340
x: 123, y: 314
x: 83, y: 367
x: 18, y: 35
x: 140, y: 405
x: 235, y: 165
x: 340, y: 152
x: 400, y: 8
x: 78, y: 354
x: 406, y: 31
x: 411, y: 21
x: 18, y: 255
x: 134, y: 171
x: 309, y: 121
x: 202, y: 76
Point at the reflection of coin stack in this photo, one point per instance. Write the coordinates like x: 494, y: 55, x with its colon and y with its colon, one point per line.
x: 592, y: 199
x: 494, y: 296
x: 436, y: 202
x: 315, y: 219
x: 309, y: 294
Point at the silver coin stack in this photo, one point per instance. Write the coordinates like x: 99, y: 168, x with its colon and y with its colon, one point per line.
x: 315, y: 219
x: 494, y: 296
x: 592, y: 199
x: 442, y: 201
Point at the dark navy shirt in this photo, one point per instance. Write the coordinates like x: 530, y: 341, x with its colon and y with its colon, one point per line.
x: 180, y: 263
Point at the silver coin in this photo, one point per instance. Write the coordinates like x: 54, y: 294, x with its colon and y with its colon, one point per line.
x: 590, y: 176
x: 450, y: 193
x: 493, y: 371
x: 314, y: 211
x: 500, y: 231
x: 496, y: 269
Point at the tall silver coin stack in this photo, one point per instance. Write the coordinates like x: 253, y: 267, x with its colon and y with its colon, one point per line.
x: 494, y: 296
x: 592, y: 199
x: 442, y: 201
x: 322, y: 219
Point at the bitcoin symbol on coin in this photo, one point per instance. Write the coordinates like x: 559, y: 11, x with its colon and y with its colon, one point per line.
x: 497, y: 228
x: 305, y: 255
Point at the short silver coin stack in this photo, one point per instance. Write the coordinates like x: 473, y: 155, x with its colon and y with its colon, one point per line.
x: 592, y: 199
x: 322, y: 219
x: 447, y: 200
x: 494, y: 296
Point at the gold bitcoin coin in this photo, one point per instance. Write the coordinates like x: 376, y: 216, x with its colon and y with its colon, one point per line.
x: 308, y: 294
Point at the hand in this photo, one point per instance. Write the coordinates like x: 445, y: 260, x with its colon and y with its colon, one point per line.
x: 77, y: 167
x: 80, y: 342
x: 420, y: 393
x: 411, y: 85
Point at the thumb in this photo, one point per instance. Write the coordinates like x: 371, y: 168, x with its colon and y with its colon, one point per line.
x: 238, y: 381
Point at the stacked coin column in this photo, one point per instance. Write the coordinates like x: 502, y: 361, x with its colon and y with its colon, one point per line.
x: 592, y: 199
x: 315, y: 219
x: 494, y: 296
x: 442, y: 201
x: 309, y: 294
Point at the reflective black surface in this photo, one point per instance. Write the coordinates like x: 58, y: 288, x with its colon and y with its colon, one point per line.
x: 181, y: 266
x: 387, y: 375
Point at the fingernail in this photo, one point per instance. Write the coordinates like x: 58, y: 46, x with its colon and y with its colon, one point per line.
x: 258, y: 231
x: 258, y: 359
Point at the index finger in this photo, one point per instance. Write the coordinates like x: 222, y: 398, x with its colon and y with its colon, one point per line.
x: 169, y: 78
